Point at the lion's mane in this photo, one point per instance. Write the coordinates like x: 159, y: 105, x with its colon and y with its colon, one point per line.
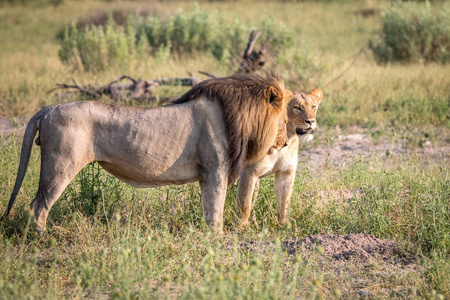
x: 252, y: 106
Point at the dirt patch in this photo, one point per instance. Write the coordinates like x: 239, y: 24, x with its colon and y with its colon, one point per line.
x: 361, y: 262
x: 345, y: 148
x: 361, y: 247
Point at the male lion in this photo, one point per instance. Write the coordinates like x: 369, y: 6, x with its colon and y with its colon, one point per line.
x: 301, y: 112
x: 209, y: 135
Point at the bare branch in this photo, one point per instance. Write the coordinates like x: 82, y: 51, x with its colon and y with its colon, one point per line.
x: 208, y: 74
x: 252, y: 60
x: 84, y: 90
x: 251, y: 43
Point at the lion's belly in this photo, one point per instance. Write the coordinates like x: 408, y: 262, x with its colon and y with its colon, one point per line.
x: 137, y: 178
x: 148, y: 159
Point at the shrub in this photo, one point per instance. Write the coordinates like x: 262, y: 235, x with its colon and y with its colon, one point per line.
x: 191, y: 32
x: 414, y: 32
x: 95, y: 48
x: 102, y: 18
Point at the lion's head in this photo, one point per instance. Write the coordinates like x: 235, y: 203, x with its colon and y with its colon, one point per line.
x: 252, y: 106
x: 302, y: 111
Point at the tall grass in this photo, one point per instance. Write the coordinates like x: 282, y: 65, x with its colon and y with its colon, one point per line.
x: 35, y: 2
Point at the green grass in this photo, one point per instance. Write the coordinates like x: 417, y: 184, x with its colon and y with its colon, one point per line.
x: 107, y: 239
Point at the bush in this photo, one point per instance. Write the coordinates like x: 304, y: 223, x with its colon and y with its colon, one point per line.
x: 414, y: 32
x: 199, y: 31
x: 94, y: 48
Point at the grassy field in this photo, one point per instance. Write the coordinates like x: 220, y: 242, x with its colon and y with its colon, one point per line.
x: 108, y: 240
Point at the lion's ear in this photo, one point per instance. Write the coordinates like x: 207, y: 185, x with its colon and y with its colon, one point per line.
x: 317, y: 94
x: 289, y: 95
x: 274, y: 96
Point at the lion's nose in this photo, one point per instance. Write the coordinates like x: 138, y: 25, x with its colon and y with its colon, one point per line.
x: 310, y: 121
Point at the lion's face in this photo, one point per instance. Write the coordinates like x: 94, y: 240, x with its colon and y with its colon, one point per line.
x: 302, y: 113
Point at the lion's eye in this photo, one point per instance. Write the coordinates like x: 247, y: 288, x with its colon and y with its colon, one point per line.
x: 314, y: 108
x: 298, y: 108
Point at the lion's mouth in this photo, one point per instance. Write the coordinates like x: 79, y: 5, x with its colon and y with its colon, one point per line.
x: 304, y: 131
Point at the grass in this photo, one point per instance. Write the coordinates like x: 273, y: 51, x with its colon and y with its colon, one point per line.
x: 107, y: 239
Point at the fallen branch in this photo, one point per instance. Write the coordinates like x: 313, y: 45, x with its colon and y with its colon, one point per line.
x: 211, y: 75
x: 140, y: 89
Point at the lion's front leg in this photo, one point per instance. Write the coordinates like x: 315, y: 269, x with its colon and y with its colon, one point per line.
x: 213, y: 187
x: 284, y: 183
x: 244, y: 196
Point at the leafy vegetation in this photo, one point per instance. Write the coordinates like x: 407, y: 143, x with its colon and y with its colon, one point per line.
x: 414, y: 32
x: 94, y: 48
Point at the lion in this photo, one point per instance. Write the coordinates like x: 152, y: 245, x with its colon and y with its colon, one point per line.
x: 208, y: 135
x: 301, y: 111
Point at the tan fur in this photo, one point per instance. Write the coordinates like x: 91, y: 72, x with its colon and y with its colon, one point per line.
x: 216, y: 128
x: 301, y: 112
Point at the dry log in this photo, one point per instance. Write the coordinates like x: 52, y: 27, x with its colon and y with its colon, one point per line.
x: 140, y: 89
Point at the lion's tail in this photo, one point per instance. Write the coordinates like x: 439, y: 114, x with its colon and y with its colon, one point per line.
x: 30, y: 133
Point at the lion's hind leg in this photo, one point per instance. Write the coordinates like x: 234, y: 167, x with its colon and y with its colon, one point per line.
x: 57, y: 171
x: 50, y: 189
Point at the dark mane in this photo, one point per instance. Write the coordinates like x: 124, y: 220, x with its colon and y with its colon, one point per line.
x: 221, y: 88
x: 245, y: 106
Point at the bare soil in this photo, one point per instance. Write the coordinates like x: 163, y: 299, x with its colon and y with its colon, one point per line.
x: 344, y: 148
x: 361, y: 261
x: 360, y: 247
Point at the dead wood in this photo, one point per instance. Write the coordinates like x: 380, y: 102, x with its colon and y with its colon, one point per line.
x: 252, y: 60
x: 137, y: 89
